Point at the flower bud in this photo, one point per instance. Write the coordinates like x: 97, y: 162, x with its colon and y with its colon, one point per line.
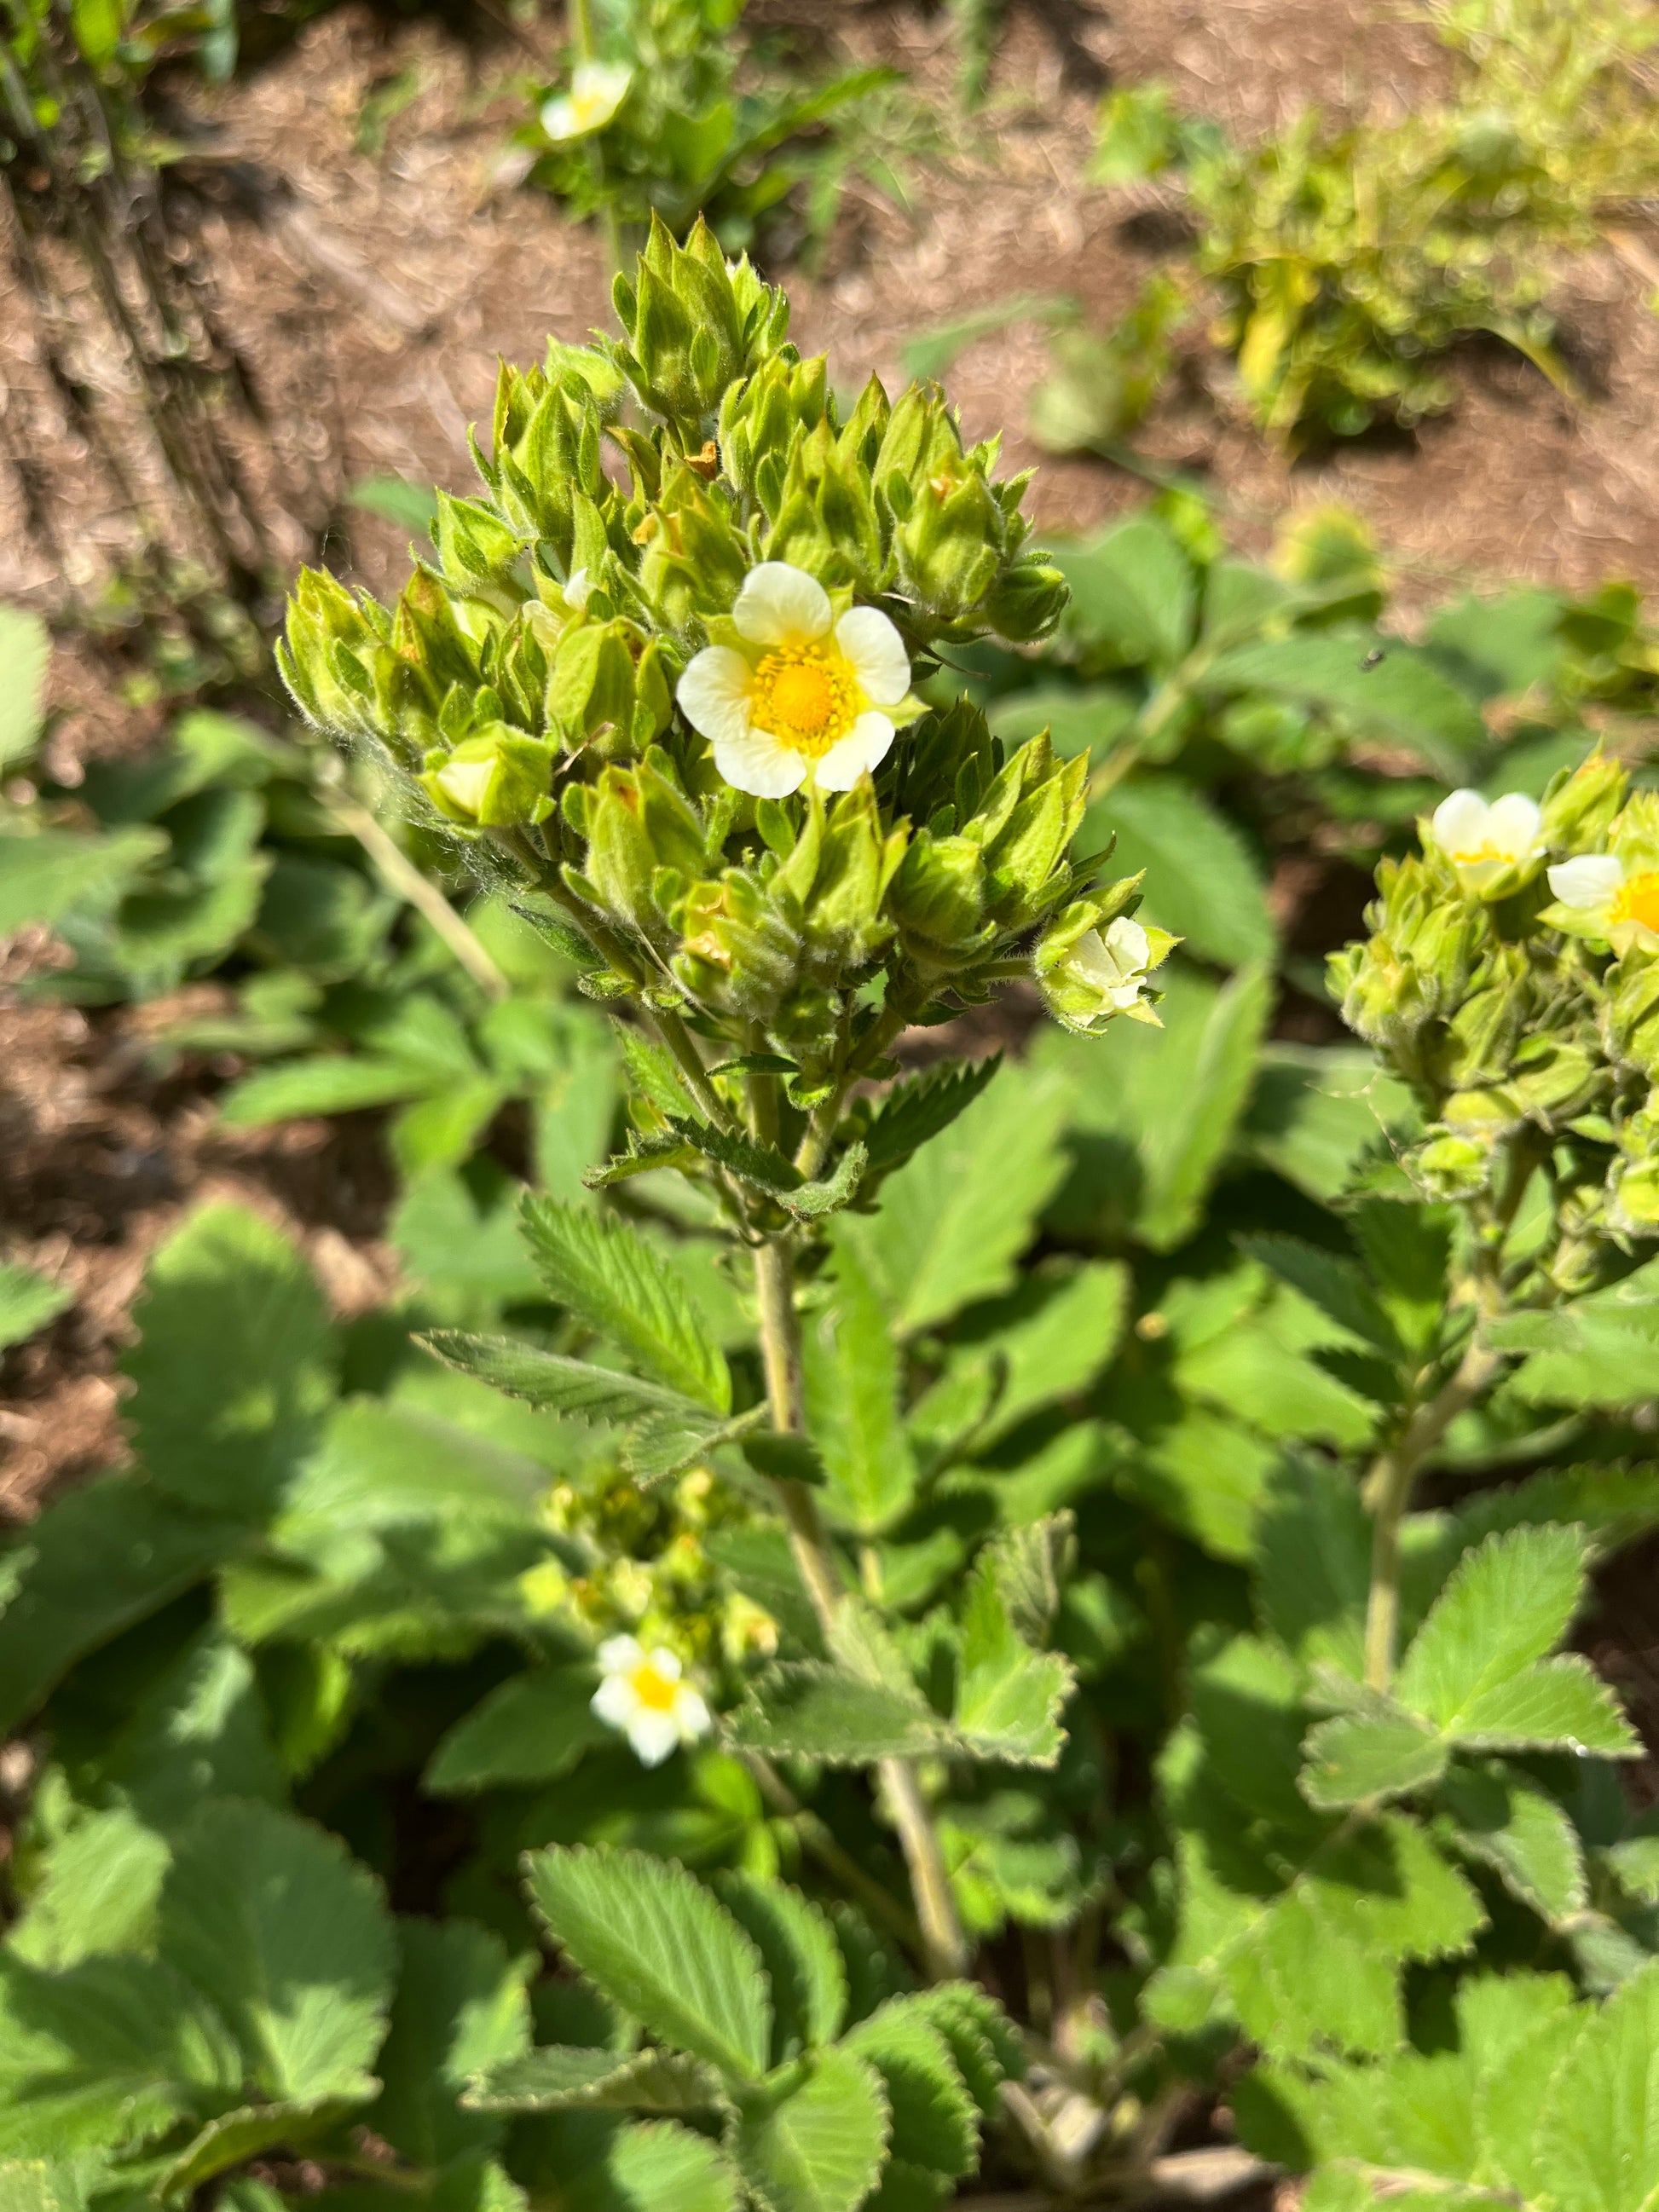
x: 338, y: 662
x: 761, y: 418
x: 689, y: 337
x: 1451, y: 1166
x: 1630, y: 1016
x: 694, y: 559
x: 937, y: 900
x: 1027, y: 600
x: 477, y: 551
x: 739, y: 954
x: 827, y: 522
x: 837, y: 878
x: 499, y: 779
x: 547, y: 455
x: 607, y: 689
x: 1578, y: 809
x: 637, y: 825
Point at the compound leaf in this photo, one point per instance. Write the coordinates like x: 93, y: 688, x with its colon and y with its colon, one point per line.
x: 816, y: 2146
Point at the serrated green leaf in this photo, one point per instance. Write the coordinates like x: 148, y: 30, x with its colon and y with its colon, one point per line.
x: 1404, y: 697
x: 232, y: 1372
x: 652, y: 2166
x: 572, y: 2077
x: 1505, y: 1821
x: 1203, y: 881
x: 1558, y: 1703
x: 272, y: 1920
x: 1358, y: 1756
x: 923, y: 1106
x: 1598, y: 2134
x: 98, y: 1560
x: 762, y: 1165
x: 532, y: 1727
x: 659, y: 1945
x: 816, y: 1201
x: 106, y: 2054
x: 1506, y: 1605
x: 1008, y: 1696
x: 55, y: 874
x: 231, y: 2139
x: 851, y: 1374
x: 199, y: 1729
x: 984, y: 2041
x: 1514, y: 2093
x: 97, y: 1892
x: 814, y: 1711
x: 955, y: 1219
x: 803, y: 1961
x: 326, y: 1084
x: 1333, y: 1283
x: 817, y: 2144
x: 607, y: 1274
x: 1313, y: 1564
x: 935, y: 2120
x: 573, y: 1388
x: 27, y: 1300
x: 460, y: 2010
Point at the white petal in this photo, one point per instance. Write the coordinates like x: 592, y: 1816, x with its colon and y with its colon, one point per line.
x: 596, y: 82
x: 779, y: 603
x: 1590, y: 880
x: 1126, y: 995
x: 755, y: 762
x: 691, y: 1716
x: 1126, y: 942
x: 653, y: 1735
x: 865, y: 746
x: 466, y: 782
x: 1090, y: 958
x: 713, y: 693
x: 665, y: 1664
x: 1461, y: 823
x: 621, y: 1655
x: 1513, y: 824
x: 617, y: 1702
x: 559, y: 118
x: 578, y: 589
x: 876, y: 652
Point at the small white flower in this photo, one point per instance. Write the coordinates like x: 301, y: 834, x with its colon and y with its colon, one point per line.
x: 800, y: 696
x: 643, y: 1698
x: 1604, y: 898
x: 1485, y: 840
x: 578, y: 589
x: 597, y: 90
x: 1117, y: 963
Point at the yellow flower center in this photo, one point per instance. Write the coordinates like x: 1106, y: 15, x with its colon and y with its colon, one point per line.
x: 1638, y: 900
x: 1487, y: 851
x: 655, y: 1690
x: 804, y: 699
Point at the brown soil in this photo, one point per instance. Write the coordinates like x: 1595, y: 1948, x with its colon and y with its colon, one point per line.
x: 370, y: 293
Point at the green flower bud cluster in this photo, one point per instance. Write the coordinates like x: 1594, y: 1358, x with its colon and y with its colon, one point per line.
x: 1511, y: 977
x: 660, y: 669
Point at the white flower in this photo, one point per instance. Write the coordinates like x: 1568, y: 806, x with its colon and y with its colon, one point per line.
x: 597, y: 90
x: 800, y: 696
x: 1116, y: 964
x: 578, y: 589
x: 1485, y: 840
x: 1603, y: 898
x: 643, y: 1697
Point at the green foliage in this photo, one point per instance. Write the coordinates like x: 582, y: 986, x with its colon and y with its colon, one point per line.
x: 651, y: 119
x: 1351, y: 260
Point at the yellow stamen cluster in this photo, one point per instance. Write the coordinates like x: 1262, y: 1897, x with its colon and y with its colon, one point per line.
x: 1638, y: 900
x: 655, y: 1690
x: 804, y: 699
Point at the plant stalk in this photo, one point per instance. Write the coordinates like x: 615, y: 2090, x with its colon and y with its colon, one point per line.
x: 1390, y: 1486
x: 401, y: 875
x: 943, y: 1943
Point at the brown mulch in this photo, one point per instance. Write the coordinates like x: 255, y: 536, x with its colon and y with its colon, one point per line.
x: 369, y: 293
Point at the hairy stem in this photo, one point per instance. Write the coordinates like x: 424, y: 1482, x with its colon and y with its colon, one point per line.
x: 943, y: 1944
x: 817, y: 1839
x: 400, y: 874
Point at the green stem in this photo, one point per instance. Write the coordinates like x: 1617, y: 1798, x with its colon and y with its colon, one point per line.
x: 943, y: 1943
x: 895, y: 1016
x: 817, y: 1839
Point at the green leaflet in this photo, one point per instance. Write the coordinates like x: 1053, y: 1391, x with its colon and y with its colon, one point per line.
x: 609, y: 1276
x: 922, y: 1107
x: 935, y: 2120
x: 954, y: 1219
x: 803, y: 1961
x: 563, y: 2078
x: 290, y: 1939
x: 532, y: 1727
x: 851, y: 1388
x: 814, y: 2142
x: 660, y: 1947
x: 232, y: 1372
x: 460, y: 2011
